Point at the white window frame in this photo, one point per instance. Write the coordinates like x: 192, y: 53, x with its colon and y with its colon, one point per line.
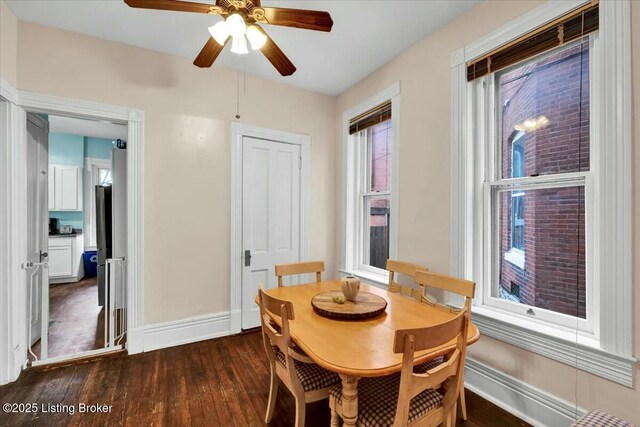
x: 355, y: 156
x: 608, y: 352
x: 515, y: 256
x: 517, y: 253
x: 364, y: 140
x: 485, y: 92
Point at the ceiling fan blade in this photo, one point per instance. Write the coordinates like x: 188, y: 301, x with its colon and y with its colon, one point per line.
x: 277, y: 58
x: 298, y: 18
x: 209, y: 53
x: 179, y: 6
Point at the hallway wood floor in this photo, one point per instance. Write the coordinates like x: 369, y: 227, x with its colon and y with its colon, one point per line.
x: 220, y: 382
x: 76, y: 321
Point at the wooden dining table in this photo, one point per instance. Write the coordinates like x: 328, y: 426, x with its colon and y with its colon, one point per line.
x: 360, y: 348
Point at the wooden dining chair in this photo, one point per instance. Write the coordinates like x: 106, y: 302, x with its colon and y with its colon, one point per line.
x: 425, y: 399
x: 299, y: 268
x: 305, y: 380
x: 408, y: 269
x: 465, y: 288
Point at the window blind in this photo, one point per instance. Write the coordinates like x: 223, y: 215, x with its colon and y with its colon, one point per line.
x: 571, y: 26
x: 372, y: 117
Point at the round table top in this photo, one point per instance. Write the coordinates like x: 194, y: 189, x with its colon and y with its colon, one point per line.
x: 367, y: 305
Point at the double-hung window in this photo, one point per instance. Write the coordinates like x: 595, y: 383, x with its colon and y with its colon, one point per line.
x: 369, y: 231
x: 535, y: 193
x: 375, y: 194
x: 541, y: 184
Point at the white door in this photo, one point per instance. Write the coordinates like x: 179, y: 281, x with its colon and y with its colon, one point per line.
x: 270, y: 216
x: 37, y: 226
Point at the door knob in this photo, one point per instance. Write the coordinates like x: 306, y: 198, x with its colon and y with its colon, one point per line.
x: 247, y: 258
x: 43, y: 255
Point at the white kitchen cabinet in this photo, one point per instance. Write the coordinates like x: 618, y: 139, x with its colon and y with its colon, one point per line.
x: 65, y: 193
x: 65, y: 258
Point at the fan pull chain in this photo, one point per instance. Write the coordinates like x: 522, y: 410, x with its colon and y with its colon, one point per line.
x: 238, y: 95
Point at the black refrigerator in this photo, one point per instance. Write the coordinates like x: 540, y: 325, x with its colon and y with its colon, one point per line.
x: 103, y: 235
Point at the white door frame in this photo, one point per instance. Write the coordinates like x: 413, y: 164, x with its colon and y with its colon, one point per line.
x: 13, y: 201
x: 238, y: 132
x: 13, y: 229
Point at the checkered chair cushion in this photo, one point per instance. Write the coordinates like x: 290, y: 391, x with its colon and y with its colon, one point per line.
x: 600, y: 419
x: 378, y: 398
x: 428, y: 365
x: 311, y: 376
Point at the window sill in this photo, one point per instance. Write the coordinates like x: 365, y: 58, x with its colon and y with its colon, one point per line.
x: 555, y: 344
x: 377, y: 280
x: 515, y: 257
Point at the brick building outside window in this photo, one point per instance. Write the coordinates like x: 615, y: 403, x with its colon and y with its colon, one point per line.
x: 544, y: 130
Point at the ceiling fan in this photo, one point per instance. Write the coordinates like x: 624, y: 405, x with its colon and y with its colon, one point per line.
x: 241, y: 18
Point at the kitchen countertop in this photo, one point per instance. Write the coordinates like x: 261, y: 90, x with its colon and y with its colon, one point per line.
x: 65, y: 235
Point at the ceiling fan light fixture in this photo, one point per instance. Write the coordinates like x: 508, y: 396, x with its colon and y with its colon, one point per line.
x: 239, y: 45
x: 236, y: 25
x: 256, y: 37
x: 220, y: 32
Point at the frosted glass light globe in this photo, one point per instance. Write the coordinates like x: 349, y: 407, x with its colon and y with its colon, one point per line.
x: 239, y: 45
x: 220, y: 32
x: 256, y: 37
x: 236, y: 25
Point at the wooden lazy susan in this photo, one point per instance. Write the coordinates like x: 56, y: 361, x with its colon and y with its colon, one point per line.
x: 367, y: 305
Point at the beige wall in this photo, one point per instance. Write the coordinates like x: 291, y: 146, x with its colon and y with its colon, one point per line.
x: 8, y: 45
x: 187, y: 153
x: 424, y: 217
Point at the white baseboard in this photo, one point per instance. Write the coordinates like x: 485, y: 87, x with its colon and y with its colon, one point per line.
x: 135, y: 340
x: 184, y: 331
x: 528, y: 403
x: 236, y: 321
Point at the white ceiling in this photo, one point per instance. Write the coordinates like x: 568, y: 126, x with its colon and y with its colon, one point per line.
x: 93, y: 128
x: 365, y: 35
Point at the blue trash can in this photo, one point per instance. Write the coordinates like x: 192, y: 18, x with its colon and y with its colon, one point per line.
x: 90, y: 259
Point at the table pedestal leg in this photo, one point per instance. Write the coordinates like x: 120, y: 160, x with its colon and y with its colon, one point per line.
x: 349, y: 399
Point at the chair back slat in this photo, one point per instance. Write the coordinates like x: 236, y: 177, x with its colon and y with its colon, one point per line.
x: 299, y: 268
x: 274, y: 305
x: 276, y: 338
x: 409, y: 269
x: 430, y: 337
x: 462, y: 287
x: 436, y: 376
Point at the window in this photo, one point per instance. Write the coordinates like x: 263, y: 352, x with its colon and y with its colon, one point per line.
x: 586, y: 183
x: 370, y: 188
x: 375, y: 197
x: 104, y: 177
x: 538, y: 194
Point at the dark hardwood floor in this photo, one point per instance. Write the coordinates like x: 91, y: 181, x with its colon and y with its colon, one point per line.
x: 76, y: 321
x: 221, y: 382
